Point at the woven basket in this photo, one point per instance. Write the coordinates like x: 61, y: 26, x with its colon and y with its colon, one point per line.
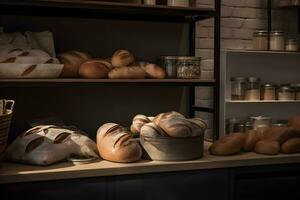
x: 5, y: 121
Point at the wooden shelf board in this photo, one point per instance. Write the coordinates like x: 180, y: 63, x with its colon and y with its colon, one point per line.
x: 268, y: 101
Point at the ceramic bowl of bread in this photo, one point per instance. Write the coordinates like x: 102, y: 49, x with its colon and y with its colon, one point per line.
x: 170, y: 136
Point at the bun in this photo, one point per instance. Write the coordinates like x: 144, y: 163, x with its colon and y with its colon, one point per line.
x: 115, y: 144
x: 137, y: 122
x: 228, y: 145
x: 94, y: 69
x: 280, y: 134
x: 134, y: 72
x: 153, y: 71
x: 122, y: 58
x: 152, y: 130
x: 294, y: 122
x: 291, y: 146
x: 252, y: 137
x: 267, y: 147
x: 72, y: 61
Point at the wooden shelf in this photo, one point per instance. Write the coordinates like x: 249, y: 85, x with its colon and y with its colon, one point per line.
x: 268, y: 101
x: 286, y: 3
x: 97, y: 9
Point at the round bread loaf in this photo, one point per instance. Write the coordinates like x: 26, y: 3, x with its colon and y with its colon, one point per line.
x: 134, y: 72
x: 294, y: 122
x: 152, y: 130
x: 95, y: 68
x: 137, y: 122
x: 292, y: 145
x: 252, y: 137
x: 154, y: 71
x: 122, y: 58
x: 72, y: 61
x: 280, y: 134
x: 115, y: 144
x: 267, y: 147
x: 228, y: 145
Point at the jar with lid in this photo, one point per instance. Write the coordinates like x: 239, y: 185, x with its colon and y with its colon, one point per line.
x: 253, y: 89
x: 238, y: 88
x: 296, y: 87
x: 169, y: 63
x: 261, y: 40
x: 180, y: 3
x: 188, y: 67
x: 261, y: 124
x: 232, y: 125
x: 277, y: 40
x: 286, y: 93
x: 268, y: 92
x: 291, y: 45
x: 245, y: 127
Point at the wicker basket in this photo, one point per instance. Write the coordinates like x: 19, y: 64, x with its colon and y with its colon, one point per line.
x: 5, y: 121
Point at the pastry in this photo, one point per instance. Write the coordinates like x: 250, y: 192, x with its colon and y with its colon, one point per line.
x: 122, y: 58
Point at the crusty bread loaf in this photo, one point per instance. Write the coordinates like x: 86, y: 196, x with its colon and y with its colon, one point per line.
x: 154, y: 71
x: 72, y: 61
x: 267, y: 147
x: 134, y: 72
x: 137, y: 122
x: 294, y: 122
x: 280, y: 134
x: 94, y: 68
x: 122, y: 58
x: 116, y: 144
x: 252, y: 137
x: 152, y: 130
x: 292, y: 145
x: 228, y: 145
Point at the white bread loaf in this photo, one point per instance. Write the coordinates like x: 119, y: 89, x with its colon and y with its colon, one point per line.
x: 137, y: 122
x: 72, y: 61
x: 94, y: 68
x: 116, y: 144
x: 122, y: 58
x: 152, y: 130
x: 134, y: 72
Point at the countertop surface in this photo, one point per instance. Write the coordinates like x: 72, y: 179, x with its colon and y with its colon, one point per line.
x: 13, y: 173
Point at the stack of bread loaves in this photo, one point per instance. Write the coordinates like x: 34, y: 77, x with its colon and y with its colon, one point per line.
x: 274, y: 141
x: 121, y: 65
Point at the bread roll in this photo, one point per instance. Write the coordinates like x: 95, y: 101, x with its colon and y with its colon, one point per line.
x: 72, y: 61
x: 267, y: 147
x: 292, y: 145
x: 134, y: 72
x: 95, y: 68
x: 115, y: 144
x: 294, y: 122
x: 228, y: 145
x: 137, y: 122
x: 252, y: 137
x: 122, y: 58
x: 152, y: 130
x: 154, y: 71
x: 280, y: 134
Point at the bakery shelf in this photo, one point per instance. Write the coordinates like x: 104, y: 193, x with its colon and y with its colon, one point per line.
x: 95, y: 9
x: 267, y: 101
x: 286, y: 3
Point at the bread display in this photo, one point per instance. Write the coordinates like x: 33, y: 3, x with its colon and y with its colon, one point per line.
x: 94, y: 68
x: 228, y: 145
x: 116, y: 144
x: 72, y: 61
x: 48, y: 144
x: 122, y: 58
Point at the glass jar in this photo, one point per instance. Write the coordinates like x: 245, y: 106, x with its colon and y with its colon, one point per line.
x: 245, y: 127
x: 261, y: 124
x: 277, y: 41
x: 238, y: 88
x: 150, y: 2
x: 253, y: 89
x: 268, y: 92
x: 180, y: 3
x: 291, y: 45
x: 188, y: 67
x: 169, y: 63
x: 261, y: 40
x: 286, y: 93
x: 232, y: 125
x: 296, y: 87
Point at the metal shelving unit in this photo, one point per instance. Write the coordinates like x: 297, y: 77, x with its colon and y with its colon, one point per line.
x: 137, y: 12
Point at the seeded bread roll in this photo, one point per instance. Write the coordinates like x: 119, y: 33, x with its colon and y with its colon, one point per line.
x: 267, y: 147
x: 228, y: 145
x: 122, y: 58
x: 115, y: 144
x: 72, y: 61
x: 292, y: 145
x: 252, y: 137
x: 94, y: 68
x: 134, y: 72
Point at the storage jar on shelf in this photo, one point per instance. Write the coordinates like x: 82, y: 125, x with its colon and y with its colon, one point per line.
x: 188, y: 67
x: 268, y: 92
x: 238, y: 88
x: 296, y: 87
x: 179, y: 3
x: 261, y: 40
x: 286, y: 93
x: 277, y: 41
x: 169, y: 63
x: 291, y: 45
x: 253, y: 89
x: 261, y: 124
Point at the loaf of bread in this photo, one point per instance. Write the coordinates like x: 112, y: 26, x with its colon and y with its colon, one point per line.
x: 137, y: 122
x: 292, y: 145
x: 252, y: 137
x: 280, y: 134
x: 267, y: 147
x: 294, y: 122
x: 94, y: 68
x: 16, y: 52
x: 122, y: 58
x: 116, y: 144
x: 230, y: 144
x: 134, y: 72
x: 153, y: 70
x: 72, y: 61
x: 152, y: 130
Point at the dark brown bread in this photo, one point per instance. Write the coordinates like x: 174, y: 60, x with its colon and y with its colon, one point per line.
x: 292, y: 145
x: 267, y: 147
